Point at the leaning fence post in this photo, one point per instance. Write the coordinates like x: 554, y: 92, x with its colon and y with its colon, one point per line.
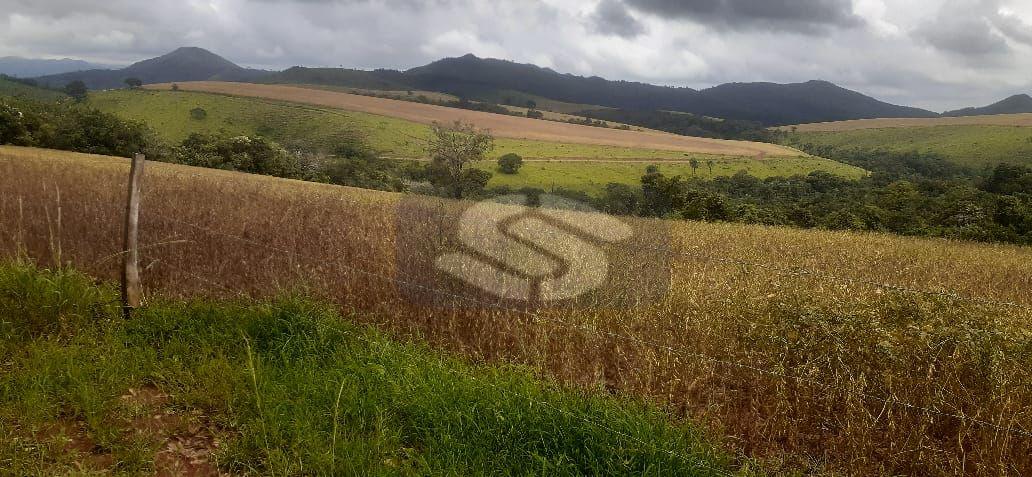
x: 132, y: 290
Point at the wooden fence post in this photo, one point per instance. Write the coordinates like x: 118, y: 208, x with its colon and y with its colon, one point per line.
x: 132, y: 290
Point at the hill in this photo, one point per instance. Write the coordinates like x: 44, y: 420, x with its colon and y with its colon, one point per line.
x: 350, y: 78
x: 807, y: 348
x: 183, y: 64
x: 1019, y: 120
x: 17, y: 89
x: 505, y: 82
x: 503, y: 126
x: 491, y: 79
x: 576, y: 167
x: 973, y: 145
x: 33, y: 67
x: 1019, y: 103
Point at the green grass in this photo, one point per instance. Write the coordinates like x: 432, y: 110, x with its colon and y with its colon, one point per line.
x: 294, y: 124
x: 591, y: 177
x: 293, y: 388
x: 972, y: 146
x: 289, y: 123
x: 15, y: 89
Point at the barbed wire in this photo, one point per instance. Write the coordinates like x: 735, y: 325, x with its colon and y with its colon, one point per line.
x: 538, y: 316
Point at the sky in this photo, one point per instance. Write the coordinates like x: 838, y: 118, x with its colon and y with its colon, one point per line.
x: 935, y: 54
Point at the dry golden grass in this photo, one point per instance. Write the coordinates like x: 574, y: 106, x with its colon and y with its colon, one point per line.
x: 1024, y: 119
x: 500, y: 125
x: 781, y: 340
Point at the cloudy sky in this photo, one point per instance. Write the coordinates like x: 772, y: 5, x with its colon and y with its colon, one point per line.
x: 937, y: 54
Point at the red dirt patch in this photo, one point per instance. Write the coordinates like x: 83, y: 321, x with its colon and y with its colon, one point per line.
x: 73, y: 438
x: 186, y: 443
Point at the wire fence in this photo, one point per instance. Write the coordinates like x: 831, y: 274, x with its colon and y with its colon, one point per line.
x: 538, y: 316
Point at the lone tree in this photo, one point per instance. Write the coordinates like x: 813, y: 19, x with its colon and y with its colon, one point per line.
x: 510, y: 163
x: 133, y: 83
x: 453, y: 149
x: 76, y: 89
x: 709, y: 164
x: 695, y: 165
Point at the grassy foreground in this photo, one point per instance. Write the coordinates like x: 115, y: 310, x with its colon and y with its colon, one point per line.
x: 975, y: 146
x: 286, y: 387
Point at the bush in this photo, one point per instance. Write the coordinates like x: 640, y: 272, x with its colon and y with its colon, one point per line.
x: 198, y: 113
x: 255, y: 155
x: 510, y: 163
x: 72, y: 128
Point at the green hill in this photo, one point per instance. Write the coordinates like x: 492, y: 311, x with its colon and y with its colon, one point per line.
x: 582, y: 167
x: 16, y: 89
x: 972, y: 145
x: 1019, y: 103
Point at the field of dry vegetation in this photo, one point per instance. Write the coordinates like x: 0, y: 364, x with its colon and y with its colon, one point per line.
x: 823, y: 351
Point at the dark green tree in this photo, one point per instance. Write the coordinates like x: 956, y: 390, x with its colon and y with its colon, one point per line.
x: 510, y: 163
x: 77, y: 90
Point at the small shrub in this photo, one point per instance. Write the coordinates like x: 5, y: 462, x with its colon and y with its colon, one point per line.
x: 198, y: 113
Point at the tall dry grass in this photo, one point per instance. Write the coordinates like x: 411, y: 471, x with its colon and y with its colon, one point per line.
x: 781, y: 340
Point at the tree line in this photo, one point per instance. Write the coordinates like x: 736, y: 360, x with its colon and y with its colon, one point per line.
x: 905, y: 193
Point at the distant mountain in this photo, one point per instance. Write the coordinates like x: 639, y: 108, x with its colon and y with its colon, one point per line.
x: 183, y: 64
x: 477, y: 78
x: 33, y: 67
x: 360, y: 79
x: 1019, y: 103
x: 470, y: 77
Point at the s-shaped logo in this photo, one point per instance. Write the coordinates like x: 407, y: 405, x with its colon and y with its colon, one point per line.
x: 546, y: 253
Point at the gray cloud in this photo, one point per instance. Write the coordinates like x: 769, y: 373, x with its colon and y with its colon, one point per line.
x: 887, y: 48
x: 972, y: 37
x: 806, y: 16
x: 968, y: 29
x: 1014, y: 27
x: 612, y: 18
